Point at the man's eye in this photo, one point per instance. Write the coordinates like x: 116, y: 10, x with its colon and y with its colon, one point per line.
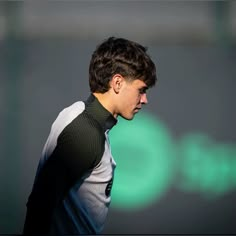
x: 142, y: 91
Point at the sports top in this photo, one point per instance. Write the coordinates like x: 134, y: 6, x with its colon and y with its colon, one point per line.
x: 71, y: 191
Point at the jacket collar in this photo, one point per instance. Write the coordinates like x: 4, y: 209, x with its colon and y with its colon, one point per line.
x: 100, y: 113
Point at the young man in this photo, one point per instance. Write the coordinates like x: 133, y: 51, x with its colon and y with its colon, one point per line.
x: 71, y: 192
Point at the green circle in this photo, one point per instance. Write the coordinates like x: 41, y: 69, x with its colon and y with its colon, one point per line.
x: 142, y: 149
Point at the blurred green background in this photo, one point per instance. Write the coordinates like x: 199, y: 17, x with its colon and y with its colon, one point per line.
x: 176, y: 161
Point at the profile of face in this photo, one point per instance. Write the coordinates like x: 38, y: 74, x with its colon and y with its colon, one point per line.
x: 132, y: 95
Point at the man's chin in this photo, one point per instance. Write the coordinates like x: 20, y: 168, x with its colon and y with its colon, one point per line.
x: 130, y: 117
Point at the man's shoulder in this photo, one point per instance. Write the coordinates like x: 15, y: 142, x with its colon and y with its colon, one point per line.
x: 72, y: 111
x: 67, y: 115
x: 76, y: 124
x: 86, y: 126
x: 83, y: 136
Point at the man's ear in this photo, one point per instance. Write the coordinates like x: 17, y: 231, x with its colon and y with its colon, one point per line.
x: 117, y: 82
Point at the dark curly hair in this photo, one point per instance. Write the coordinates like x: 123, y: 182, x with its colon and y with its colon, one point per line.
x: 120, y: 56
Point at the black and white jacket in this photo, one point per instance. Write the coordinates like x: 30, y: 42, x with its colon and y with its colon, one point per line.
x: 71, y: 192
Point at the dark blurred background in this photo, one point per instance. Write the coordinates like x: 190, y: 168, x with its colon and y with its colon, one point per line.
x: 183, y: 176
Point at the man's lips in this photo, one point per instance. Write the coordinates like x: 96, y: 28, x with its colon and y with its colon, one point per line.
x: 137, y: 109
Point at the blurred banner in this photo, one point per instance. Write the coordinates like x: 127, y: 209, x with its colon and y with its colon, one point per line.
x: 176, y: 161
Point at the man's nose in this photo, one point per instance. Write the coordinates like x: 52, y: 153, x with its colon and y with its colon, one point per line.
x: 144, y: 99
